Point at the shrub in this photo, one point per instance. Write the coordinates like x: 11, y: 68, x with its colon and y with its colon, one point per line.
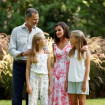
x: 97, y: 67
x: 6, y: 76
x: 97, y: 72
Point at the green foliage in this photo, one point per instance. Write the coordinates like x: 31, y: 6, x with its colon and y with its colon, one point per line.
x: 86, y: 15
x: 93, y: 12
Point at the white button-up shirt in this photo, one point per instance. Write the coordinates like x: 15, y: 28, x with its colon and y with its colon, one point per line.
x: 21, y: 40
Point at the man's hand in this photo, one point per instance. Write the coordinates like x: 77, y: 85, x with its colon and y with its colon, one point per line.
x: 46, y: 51
x: 27, y: 53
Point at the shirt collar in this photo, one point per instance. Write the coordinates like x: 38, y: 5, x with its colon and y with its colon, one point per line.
x: 24, y: 26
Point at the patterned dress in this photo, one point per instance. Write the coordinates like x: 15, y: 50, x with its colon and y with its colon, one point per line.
x: 59, y: 96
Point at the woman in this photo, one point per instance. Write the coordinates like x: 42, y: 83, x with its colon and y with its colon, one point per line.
x: 61, y: 49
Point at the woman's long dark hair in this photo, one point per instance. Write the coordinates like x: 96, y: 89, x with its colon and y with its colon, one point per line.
x: 66, y: 31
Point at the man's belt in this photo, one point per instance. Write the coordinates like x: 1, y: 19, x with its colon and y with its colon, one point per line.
x: 20, y: 61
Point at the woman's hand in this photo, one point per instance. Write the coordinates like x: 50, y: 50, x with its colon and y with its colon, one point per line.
x: 29, y: 89
x: 84, y: 48
x: 66, y: 85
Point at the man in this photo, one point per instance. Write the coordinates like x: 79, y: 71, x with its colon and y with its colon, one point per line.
x: 20, y: 42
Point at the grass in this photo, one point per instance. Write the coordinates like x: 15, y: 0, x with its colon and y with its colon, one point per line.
x: 8, y: 102
x: 88, y: 102
x: 95, y: 102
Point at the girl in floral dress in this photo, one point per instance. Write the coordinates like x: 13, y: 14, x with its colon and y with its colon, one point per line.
x: 61, y: 62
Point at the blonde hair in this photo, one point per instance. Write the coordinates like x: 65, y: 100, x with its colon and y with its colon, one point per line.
x: 35, y: 47
x: 81, y: 42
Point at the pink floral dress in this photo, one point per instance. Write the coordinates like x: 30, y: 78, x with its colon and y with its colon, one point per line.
x: 59, y: 96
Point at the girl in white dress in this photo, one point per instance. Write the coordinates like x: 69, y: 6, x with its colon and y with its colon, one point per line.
x: 77, y: 80
x: 38, y: 72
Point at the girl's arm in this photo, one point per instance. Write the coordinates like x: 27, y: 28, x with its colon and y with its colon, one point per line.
x: 28, y: 66
x: 49, y: 74
x: 87, y: 63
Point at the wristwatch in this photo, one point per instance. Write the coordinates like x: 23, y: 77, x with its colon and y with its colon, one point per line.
x: 21, y: 54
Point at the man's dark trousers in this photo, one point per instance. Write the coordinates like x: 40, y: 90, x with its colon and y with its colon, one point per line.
x: 18, y: 80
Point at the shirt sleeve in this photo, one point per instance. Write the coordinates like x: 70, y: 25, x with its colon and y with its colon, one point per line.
x: 12, y: 46
x: 85, y: 54
x: 89, y: 53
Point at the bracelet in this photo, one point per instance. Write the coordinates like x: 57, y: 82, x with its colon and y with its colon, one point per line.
x: 21, y: 54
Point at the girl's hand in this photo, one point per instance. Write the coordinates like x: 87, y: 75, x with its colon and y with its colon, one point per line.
x: 29, y: 89
x: 66, y: 85
x: 83, y: 87
x: 50, y: 90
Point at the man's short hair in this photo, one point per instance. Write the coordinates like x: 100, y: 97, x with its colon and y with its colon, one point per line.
x: 29, y: 12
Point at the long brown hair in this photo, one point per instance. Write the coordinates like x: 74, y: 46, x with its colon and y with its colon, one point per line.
x: 66, y: 31
x: 35, y: 47
x: 81, y: 42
